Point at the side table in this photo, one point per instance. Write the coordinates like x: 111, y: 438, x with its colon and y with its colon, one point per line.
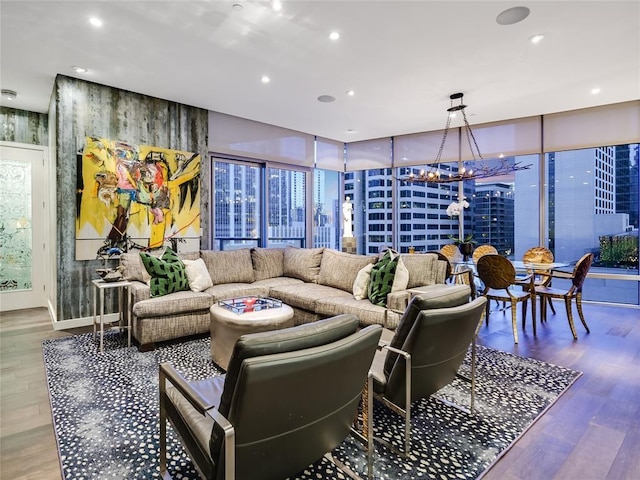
x: 99, y: 287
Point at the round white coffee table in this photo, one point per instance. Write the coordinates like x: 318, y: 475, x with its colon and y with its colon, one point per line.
x: 227, y: 327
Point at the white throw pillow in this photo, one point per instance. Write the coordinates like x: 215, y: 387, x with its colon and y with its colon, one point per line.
x: 401, y: 278
x: 361, y: 283
x: 197, y: 275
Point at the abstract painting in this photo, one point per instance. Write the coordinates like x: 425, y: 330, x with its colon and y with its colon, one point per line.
x: 135, y: 196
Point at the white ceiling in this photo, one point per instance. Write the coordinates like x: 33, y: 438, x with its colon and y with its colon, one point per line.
x: 402, y: 58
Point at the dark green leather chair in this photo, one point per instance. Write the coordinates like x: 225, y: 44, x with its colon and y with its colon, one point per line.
x: 428, y: 347
x: 289, y: 397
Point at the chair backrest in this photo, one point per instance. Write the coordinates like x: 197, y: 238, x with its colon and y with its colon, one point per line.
x: 292, y: 394
x: 538, y: 255
x: 452, y: 252
x: 437, y: 341
x: 580, y: 271
x: 483, y: 250
x: 449, y: 268
x: 496, y: 271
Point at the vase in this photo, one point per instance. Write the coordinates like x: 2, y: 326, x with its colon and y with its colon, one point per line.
x: 466, y: 249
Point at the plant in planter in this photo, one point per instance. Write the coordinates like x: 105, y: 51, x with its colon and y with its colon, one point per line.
x: 466, y: 243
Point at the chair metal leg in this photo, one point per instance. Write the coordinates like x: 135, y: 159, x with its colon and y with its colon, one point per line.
x: 567, y: 304
x: 164, y: 473
x: 580, y: 312
x: 514, y: 322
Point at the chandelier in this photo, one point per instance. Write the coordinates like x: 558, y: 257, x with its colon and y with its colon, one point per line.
x: 484, y: 169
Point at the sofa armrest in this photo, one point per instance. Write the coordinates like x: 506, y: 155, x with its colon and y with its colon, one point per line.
x: 139, y: 291
x: 398, y: 301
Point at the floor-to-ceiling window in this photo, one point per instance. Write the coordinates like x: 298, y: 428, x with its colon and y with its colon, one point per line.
x: 236, y: 196
x: 286, y: 207
x: 592, y: 207
x: 326, y: 209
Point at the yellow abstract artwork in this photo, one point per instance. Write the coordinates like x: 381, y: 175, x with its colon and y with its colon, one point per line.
x: 135, y: 196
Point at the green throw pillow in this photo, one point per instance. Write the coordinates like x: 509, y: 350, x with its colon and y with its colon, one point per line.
x: 167, y: 273
x: 381, y: 280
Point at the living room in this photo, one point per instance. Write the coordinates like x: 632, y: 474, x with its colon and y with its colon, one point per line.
x: 84, y: 107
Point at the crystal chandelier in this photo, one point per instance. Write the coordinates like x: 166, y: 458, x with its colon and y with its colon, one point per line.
x: 435, y: 173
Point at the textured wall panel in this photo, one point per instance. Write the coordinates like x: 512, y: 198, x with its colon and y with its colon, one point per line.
x: 23, y: 127
x: 88, y: 109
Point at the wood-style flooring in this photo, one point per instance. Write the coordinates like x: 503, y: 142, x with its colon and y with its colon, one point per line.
x: 592, y: 432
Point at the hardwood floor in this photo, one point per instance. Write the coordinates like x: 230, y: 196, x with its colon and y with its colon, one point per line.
x: 592, y: 432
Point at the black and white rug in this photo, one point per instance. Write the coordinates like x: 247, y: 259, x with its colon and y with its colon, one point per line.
x: 106, y: 415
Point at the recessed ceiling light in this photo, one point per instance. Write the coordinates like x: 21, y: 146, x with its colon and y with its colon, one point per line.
x: 351, y: 93
x: 595, y: 90
x: 78, y: 69
x: 9, y: 94
x: 265, y: 79
x: 95, y: 21
x: 276, y: 5
x: 326, y: 98
x: 512, y: 15
x: 334, y: 35
x: 537, y: 38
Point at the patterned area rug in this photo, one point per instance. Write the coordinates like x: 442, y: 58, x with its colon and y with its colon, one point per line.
x: 105, y: 412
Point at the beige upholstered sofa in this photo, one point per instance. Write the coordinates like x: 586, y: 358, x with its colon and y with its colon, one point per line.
x: 316, y: 282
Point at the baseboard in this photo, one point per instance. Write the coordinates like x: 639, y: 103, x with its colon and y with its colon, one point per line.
x: 83, y: 322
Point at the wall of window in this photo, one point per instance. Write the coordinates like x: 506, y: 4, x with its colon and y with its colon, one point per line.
x: 575, y: 197
x: 236, y: 198
x: 592, y: 206
x: 286, y: 207
x: 326, y: 209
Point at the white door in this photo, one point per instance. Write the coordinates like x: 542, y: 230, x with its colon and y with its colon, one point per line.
x: 23, y: 190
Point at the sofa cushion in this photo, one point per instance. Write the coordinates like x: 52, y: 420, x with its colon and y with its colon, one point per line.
x: 197, y: 275
x: 361, y: 283
x: 267, y: 263
x: 229, y: 266
x: 133, y: 267
x: 235, y: 290
x: 167, y: 273
x: 401, y: 278
x: 381, y: 280
x: 302, y: 263
x: 305, y: 295
x: 339, y: 269
x: 173, y: 304
x: 367, y: 313
x: 424, y: 269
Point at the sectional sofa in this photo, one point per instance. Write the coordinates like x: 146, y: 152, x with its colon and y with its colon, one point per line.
x: 316, y: 282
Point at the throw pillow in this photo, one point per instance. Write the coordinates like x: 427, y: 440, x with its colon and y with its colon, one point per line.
x: 361, y: 284
x: 401, y: 278
x: 167, y: 273
x: 381, y: 280
x: 197, y: 275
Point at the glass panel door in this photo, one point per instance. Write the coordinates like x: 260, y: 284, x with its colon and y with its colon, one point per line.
x: 22, y: 270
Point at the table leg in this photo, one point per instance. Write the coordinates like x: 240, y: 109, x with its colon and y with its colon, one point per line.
x: 95, y: 309
x: 101, y: 320
x: 129, y: 315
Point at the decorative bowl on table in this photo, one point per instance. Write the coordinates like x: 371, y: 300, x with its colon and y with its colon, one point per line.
x: 110, y: 274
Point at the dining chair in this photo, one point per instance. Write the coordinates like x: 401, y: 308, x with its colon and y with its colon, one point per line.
x: 498, y: 276
x: 538, y: 256
x: 458, y: 274
x: 482, y: 250
x: 577, y: 278
x: 452, y: 252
